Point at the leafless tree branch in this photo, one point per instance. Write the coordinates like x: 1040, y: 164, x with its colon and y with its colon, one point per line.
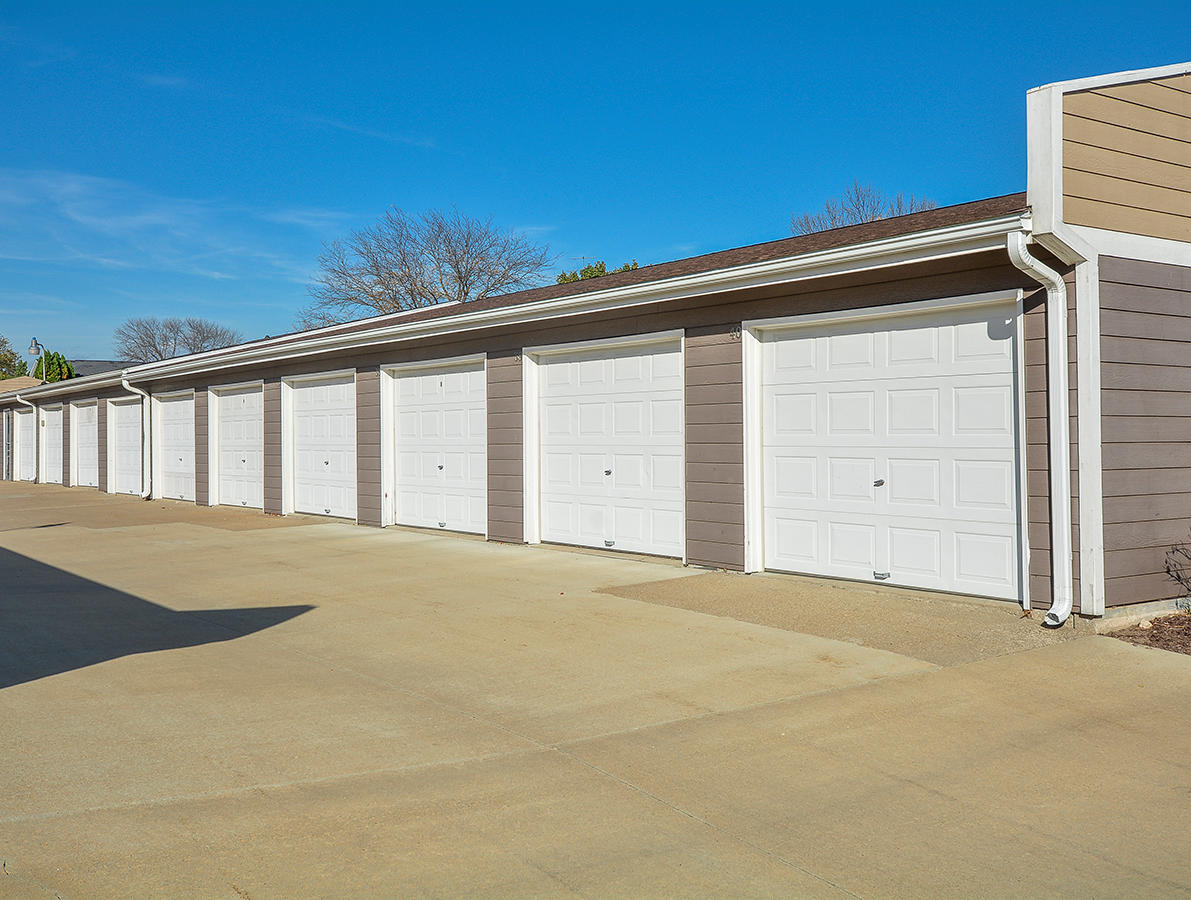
x: 149, y: 339
x: 859, y: 203
x: 407, y: 262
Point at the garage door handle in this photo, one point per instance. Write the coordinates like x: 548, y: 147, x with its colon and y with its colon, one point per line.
x: 880, y: 576
x: 878, y: 482
x: 326, y: 462
x: 440, y: 468
x: 607, y: 471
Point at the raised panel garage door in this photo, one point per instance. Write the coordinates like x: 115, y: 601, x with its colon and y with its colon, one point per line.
x: 126, y: 444
x: 240, y: 434
x: 324, y: 424
x: 26, y: 444
x: 611, y: 424
x: 51, y: 435
x: 441, y: 445
x: 177, y: 447
x: 890, y: 450
x: 84, y: 427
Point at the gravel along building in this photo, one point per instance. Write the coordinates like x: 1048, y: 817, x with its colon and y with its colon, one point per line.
x: 992, y: 398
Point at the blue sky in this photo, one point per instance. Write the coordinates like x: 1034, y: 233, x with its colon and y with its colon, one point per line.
x: 191, y: 159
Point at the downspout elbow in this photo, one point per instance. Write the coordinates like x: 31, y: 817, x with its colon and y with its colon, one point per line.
x: 146, y: 438
x: 1062, y: 586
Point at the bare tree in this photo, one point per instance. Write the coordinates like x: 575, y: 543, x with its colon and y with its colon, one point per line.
x: 407, y: 262
x: 859, y: 203
x: 149, y: 339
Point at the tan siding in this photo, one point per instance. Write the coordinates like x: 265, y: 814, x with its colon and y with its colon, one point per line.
x: 715, y: 435
x: 368, y: 486
x: 202, y: 468
x: 1146, y: 424
x: 101, y: 431
x: 1127, y: 158
x: 506, y: 482
x: 272, y: 440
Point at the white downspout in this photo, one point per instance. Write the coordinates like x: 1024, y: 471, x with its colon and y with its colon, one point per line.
x: 36, y: 439
x: 146, y: 438
x: 1059, y: 427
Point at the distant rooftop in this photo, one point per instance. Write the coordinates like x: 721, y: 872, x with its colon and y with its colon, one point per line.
x: 95, y: 366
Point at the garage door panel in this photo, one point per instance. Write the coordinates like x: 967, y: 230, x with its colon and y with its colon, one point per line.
x: 126, y: 422
x: 241, y: 455
x: 898, y: 438
x: 176, y: 453
x: 442, y: 453
x: 84, y: 425
x: 612, y: 451
x: 324, y: 454
x: 52, y: 451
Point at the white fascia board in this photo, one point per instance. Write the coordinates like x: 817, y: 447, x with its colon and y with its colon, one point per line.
x: 1134, y: 246
x: 941, y: 243
x: 1096, y: 81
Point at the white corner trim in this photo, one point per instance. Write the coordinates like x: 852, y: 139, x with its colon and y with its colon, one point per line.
x: 1044, y: 157
x: 388, y: 449
x: 1090, y: 456
x: 754, y: 460
x: 213, y: 399
x: 531, y: 448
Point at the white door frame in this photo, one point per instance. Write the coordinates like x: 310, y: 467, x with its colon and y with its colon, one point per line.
x: 531, y: 446
x: 389, y: 374
x: 751, y: 335
x: 155, y: 426
x: 18, y: 415
x: 76, y: 405
x: 287, y: 433
x: 214, y: 396
x: 42, y: 443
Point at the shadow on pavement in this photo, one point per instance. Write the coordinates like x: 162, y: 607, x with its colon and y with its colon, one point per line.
x: 52, y: 621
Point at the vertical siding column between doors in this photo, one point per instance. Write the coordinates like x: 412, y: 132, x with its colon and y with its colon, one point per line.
x: 101, y: 449
x: 368, y: 480
x: 202, y: 467
x: 715, y: 447
x: 1038, y: 519
x: 506, y: 497
x: 272, y: 446
x: 66, y: 410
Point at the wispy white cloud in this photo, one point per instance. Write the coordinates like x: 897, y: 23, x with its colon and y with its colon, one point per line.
x: 387, y: 136
x: 314, y: 219
x: 78, y: 220
x: 31, y: 52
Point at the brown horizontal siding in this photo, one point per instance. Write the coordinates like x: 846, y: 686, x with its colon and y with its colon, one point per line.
x: 1127, y: 158
x: 506, y: 479
x: 202, y: 464
x: 1145, y: 424
x: 369, y: 490
x: 714, y: 436
x: 273, y: 477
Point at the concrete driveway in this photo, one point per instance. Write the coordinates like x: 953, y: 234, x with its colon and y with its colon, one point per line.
x: 213, y: 703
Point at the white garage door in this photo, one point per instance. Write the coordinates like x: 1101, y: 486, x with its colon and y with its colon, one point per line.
x: 324, y: 424
x: 51, y: 436
x: 176, y: 428
x: 241, y: 451
x: 442, y: 450
x: 84, y: 432
x: 126, y: 447
x: 612, y: 449
x: 26, y: 427
x: 890, y: 451
x: 6, y: 439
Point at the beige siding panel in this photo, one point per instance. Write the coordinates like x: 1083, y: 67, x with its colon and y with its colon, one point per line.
x: 1146, y: 376
x: 1168, y: 94
x: 1102, y: 106
x: 272, y: 439
x: 1083, y: 158
x: 506, y: 482
x: 202, y: 468
x: 1102, y: 214
x: 1153, y: 198
x: 369, y: 490
x: 715, y: 446
x: 1123, y: 139
x: 101, y: 431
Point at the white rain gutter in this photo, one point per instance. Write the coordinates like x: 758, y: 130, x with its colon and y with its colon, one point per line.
x: 1059, y: 427
x: 146, y: 438
x: 940, y: 243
